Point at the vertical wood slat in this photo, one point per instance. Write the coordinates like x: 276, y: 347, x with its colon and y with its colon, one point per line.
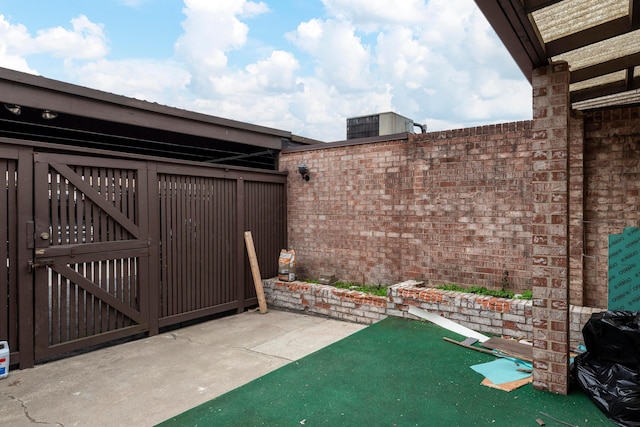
x: 82, y: 312
x: 241, y: 261
x: 54, y: 329
x: 54, y: 207
x: 181, y: 238
x: 202, y: 237
x: 174, y: 239
x: 5, y: 259
x: 25, y: 293
x: 117, y: 281
x: 8, y: 230
x: 188, y: 244
x: 152, y: 223
x: 218, y: 244
x: 208, y: 255
x: 11, y: 266
x: 167, y: 250
x: 42, y: 216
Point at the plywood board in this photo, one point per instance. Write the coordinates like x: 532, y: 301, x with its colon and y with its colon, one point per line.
x: 255, y: 271
x: 510, y: 348
x: 507, y: 386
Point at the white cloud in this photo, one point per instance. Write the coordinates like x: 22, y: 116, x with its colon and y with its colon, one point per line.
x: 86, y: 41
x: 276, y: 73
x: 15, y: 40
x: 322, y: 109
x: 339, y: 54
x: 370, y: 15
x: 402, y: 58
x: 211, y: 30
x: 250, y: 9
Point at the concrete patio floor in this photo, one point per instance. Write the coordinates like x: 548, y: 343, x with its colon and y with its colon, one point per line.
x: 144, y: 382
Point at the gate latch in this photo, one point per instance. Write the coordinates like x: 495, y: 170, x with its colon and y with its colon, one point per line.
x: 40, y: 264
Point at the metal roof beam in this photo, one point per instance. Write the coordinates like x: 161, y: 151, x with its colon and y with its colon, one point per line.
x: 242, y: 157
x: 634, y: 13
x: 630, y: 78
x: 605, y: 90
x: 604, y: 68
x: 598, y: 33
x: 527, y: 31
x: 516, y: 31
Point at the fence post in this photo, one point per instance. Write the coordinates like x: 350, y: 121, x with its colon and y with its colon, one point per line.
x: 25, y: 317
x: 153, y: 233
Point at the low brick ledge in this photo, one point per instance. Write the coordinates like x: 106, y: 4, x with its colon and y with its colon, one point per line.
x: 492, y: 315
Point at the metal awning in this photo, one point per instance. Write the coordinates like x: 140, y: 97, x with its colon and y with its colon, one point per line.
x: 93, y: 119
x: 600, y: 39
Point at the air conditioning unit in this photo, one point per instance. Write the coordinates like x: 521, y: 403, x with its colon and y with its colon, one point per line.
x: 378, y: 125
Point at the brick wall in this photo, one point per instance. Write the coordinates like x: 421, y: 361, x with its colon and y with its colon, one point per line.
x: 612, y: 186
x: 447, y: 207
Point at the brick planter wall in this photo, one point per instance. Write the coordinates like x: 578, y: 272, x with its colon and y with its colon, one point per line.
x: 327, y: 300
x: 491, y: 315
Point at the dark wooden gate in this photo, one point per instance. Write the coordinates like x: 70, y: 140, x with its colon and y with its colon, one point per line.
x: 103, y: 248
x: 91, y: 251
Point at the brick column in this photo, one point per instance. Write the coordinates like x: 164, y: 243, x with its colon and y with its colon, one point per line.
x: 550, y: 227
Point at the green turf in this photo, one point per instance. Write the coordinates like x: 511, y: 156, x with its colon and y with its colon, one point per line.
x: 395, y: 373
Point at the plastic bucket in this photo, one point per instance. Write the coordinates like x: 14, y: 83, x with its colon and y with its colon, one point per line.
x: 4, y: 359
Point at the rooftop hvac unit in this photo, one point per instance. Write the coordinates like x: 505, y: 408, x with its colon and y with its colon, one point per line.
x: 379, y: 125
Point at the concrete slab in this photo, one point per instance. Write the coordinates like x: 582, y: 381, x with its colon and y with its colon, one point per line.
x: 146, y: 381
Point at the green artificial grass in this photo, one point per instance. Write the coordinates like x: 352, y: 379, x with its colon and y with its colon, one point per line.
x: 397, y: 372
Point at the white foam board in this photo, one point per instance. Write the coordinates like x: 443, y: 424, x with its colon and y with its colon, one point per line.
x: 447, y: 324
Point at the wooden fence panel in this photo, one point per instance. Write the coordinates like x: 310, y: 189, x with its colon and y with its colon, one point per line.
x: 266, y: 218
x: 202, y: 215
x: 198, y: 216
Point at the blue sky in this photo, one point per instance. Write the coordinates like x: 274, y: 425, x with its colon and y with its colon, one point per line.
x: 297, y: 65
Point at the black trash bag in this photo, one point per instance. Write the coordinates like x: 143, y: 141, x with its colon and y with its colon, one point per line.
x: 614, y: 336
x: 609, y: 371
x: 613, y: 387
